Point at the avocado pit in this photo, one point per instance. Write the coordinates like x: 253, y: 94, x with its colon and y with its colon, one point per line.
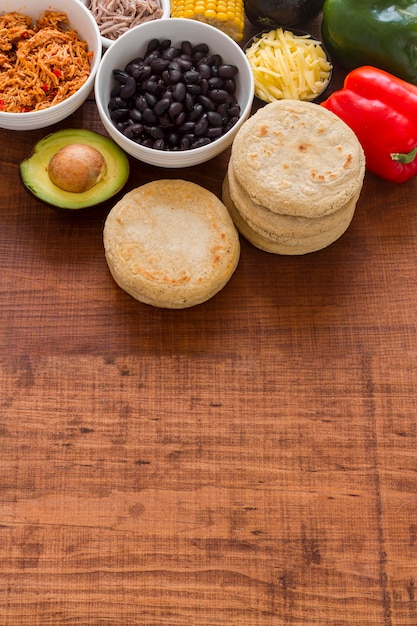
x: 74, y: 168
x: 77, y: 168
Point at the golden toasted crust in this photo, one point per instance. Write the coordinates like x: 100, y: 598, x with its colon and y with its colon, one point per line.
x: 298, y: 158
x: 171, y: 243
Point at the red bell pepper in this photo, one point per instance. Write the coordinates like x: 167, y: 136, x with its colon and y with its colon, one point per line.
x: 381, y: 109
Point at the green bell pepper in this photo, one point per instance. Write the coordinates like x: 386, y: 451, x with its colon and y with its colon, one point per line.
x: 381, y: 33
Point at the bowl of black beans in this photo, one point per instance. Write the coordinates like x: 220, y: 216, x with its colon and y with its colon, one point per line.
x: 173, y: 93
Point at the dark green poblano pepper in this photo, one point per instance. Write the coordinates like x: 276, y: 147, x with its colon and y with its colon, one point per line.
x: 381, y: 33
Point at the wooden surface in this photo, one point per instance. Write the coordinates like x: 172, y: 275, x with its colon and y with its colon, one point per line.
x: 247, y: 462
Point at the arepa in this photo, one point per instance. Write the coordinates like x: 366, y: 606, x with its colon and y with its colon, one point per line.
x: 288, y: 229
x: 298, y: 158
x: 171, y: 244
x: 285, y: 244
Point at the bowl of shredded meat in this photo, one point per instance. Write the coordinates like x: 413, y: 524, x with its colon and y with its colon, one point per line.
x: 115, y: 17
x: 49, y: 56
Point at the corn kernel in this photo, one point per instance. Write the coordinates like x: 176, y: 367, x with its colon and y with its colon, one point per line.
x: 226, y: 15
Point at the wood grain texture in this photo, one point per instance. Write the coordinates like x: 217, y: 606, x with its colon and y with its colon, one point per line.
x: 247, y: 462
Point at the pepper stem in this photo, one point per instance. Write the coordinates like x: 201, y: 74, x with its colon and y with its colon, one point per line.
x: 404, y: 157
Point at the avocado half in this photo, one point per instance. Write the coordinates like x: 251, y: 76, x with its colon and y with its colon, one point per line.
x: 35, y: 176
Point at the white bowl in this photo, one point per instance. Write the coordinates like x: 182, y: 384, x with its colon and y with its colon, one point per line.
x: 80, y: 20
x: 166, y: 12
x: 133, y: 44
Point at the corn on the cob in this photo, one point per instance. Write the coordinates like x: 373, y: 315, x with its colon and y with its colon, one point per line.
x: 227, y: 15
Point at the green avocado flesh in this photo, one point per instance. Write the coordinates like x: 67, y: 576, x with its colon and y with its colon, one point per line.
x: 35, y: 176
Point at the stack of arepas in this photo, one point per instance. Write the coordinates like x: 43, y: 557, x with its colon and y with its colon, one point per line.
x: 294, y: 177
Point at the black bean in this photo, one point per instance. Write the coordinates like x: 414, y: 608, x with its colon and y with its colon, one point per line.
x: 196, y: 112
x: 194, y: 90
x: 135, y: 115
x: 161, y: 106
x: 174, y: 75
x: 159, y: 144
x: 128, y: 88
x: 164, y: 121
x: 201, y: 127
x: 227, y: 71
x: 204, y: 86
x: 116, y: 90
x: 231, y: 123
x: 191, y: 77
x: 158, y: 65
x: 150, y: 86
x: 185, y: 143
x: 204, y: 60
x: 215, y: 82
x: 118, y: 115
x: 173, y: 138
x: 166, y: 77
x: 214, y: 131
x: 117, y: 103
x: 133, y: 130
x: 175, y: 109
x: 188, y: 102
x: 149, y: 116
x: 189, y: 136
x: 141, y: 103
x: 185, y: 63
x: 187, y: 127
x: 151, y: 99
x: 174, y: 65
x: 223, y: 109
x: 121, y: 76
x: 218, y: 95
x: 186, y: 48
x: 206, y: 102
x: 201, y: 47
x: 198, y: 57
x: 156, y: 132
x: 204, y: 69
x: 152, y: 46
x: 214, y: 118
x: 145, y: 72
x: 170, y: 53
x: 180, y: 118
x: 179, y: 91
x: 229, y: 85
x: 200, y: 142
x: 167, y: 94
x: 234, y: 110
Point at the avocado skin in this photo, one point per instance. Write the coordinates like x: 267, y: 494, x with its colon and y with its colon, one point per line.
x: 34, y: 170
x: 286, y: 13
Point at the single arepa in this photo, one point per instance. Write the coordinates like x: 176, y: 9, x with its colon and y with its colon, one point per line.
x: 294, y: 158
x: 171, y: 244
x: 294, y: 177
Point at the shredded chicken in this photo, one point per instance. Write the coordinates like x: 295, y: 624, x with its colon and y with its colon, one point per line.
x: 115, y: 17
x: 41, y: 64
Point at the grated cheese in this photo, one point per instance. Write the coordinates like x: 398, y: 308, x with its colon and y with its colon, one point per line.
x: 288, y: 66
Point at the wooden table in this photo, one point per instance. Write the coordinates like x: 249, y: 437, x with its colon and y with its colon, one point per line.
x: 248, y: 462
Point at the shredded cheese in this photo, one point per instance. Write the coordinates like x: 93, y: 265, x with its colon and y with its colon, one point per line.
x: 288, y: 66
